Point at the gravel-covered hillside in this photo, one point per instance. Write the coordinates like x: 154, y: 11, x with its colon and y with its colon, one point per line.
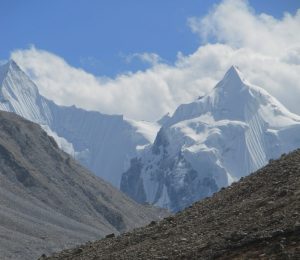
x: 255, y: 218
x: 48, y: 201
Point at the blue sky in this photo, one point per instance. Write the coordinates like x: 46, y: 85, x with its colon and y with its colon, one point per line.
x: 97, y: 35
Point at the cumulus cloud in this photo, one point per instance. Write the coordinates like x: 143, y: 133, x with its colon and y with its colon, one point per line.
x: 235, y: 23
x: 140, y: 95
x: 266, y: 49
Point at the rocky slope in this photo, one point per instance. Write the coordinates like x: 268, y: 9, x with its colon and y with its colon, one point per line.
x: 103, y: 143
x: 209, y: 143
x: 48, y: 201
x: 255, y: 218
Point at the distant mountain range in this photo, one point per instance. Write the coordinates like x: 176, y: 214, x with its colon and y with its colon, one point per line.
x: 48, y: 201
x: 210, y: 143
x: 103, y: 143
x: 203, y: 146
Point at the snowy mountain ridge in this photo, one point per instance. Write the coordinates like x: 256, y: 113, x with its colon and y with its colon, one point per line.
x: 205, y: 145
x: 103, y: 143
x: 211, y: 142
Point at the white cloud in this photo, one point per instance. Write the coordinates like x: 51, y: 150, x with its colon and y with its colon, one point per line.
x: 266, y: 49
x: 142, y: 95
x: 147, y: 57
x: 235, y: 23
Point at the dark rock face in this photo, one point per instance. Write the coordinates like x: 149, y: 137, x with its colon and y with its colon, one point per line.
x: 132, y: 184
x: 163, y: 172
x: 160, y: 143
x: 48, y: 201
x: 255, y: 218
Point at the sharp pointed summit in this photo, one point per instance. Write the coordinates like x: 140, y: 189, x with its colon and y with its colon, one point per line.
x: 4, y: 68
x: 233, y: 80
x: 19, y: 94
x: 233, y: 71
x: 211, y: 142
x: 10, y: 65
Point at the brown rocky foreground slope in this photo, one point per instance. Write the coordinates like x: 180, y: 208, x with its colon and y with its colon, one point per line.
x: 255, y: 218
x: 48, y: 202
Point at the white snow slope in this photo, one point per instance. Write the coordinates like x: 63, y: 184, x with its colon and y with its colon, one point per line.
x: 209, y: 143
x: 103, y: 143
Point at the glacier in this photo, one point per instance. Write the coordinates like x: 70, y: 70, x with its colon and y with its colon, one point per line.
x: 105, y: 144
x: 210, y: 143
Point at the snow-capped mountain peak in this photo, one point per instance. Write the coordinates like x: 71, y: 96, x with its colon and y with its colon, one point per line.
x: 13, y: 65
x: 233, y: 98
x: 209, y: 143
x: 10, y: 68
x: 20, y: 95
x: 5, y: 68
x: 234, y: 75
x: 103, y: 143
